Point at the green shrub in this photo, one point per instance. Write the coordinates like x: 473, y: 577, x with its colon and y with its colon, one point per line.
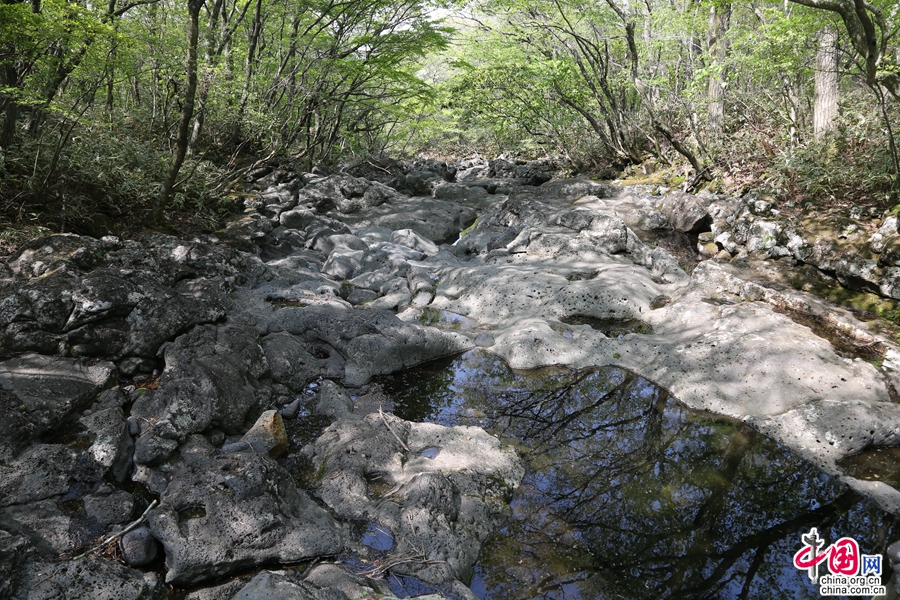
x: 851, y: 165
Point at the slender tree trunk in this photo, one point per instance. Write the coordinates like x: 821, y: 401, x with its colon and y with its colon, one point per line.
x: 200, y: 117
x: 793, y: 102
x: 111, y: 64
x: 190, y: 91
x: 252, y: 41
x: 8, y: 76
x: 719, y: 20
x: 210, y: 56
x: 826, y: 99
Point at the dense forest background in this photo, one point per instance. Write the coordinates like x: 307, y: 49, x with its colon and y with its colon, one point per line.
x: 141, y: 110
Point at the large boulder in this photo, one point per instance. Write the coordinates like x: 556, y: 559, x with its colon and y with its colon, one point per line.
x: 46, y: 471
x: 210, y: 380
x: 686, y: 212
x: 292, y: 362
x: 437, y: 220
x: 474, y: 196
x: 449, y: 488
x: 41, y: 394
x: 345, y: 193
x: 129, y: 305
x: 371, y: 343
x: 220, y: 513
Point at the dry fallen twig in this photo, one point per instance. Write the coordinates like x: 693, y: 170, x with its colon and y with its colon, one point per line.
x: 391, y: 429
x: 119, y: 534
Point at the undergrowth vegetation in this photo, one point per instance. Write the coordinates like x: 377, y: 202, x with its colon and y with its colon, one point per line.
x: 148, y: 114
x: 851, y: 165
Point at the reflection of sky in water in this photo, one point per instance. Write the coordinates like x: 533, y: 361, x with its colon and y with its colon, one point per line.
x: 377, y: 537
x: 629, y: 495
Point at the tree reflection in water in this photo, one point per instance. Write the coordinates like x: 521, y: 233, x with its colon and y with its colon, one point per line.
x: 630, y: 495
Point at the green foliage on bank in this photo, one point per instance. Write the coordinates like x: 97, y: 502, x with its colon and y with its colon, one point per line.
x: 717, y: 93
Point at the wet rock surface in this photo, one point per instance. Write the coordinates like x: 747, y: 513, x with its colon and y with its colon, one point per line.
x: 162, y: 369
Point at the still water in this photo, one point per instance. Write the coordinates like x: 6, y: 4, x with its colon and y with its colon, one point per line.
x: 629, y: 495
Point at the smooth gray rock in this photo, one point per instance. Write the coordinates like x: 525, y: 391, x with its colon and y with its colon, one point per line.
x: 433, y: 219
x: 380, y: 281
x: 474, y: 196
x: 347, y: 240
x: 374, y: 234
x: 292, y: 409
x: 298, y: 218
x: 411, y: 239
x: 225, y: 591
x: 342, y: 262
x: 359, y: 296
x: 278, y: 586
x: 394, y: 257
x: 336, y: 579
x: 139, y: 547
x: 390, y: 301
x: 333, y: 401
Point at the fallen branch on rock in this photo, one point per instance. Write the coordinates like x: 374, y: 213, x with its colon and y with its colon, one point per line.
x: 391, y: 429
x: 379, y: 569
x: 119, y: 534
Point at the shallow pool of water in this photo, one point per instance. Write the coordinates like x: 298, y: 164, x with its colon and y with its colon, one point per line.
x: 630, y: 495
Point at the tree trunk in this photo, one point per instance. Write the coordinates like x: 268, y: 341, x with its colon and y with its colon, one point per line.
x: 210, y: 56
x: 252, y: 41
x: 8, y: 76
x: 111, y: 64
x: 793, y: 103
x: 190, y: 91
x: 826, y: 99
x: 719, y: 19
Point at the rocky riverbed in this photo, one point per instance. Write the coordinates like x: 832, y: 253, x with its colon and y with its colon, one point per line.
x: 222, y: 382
